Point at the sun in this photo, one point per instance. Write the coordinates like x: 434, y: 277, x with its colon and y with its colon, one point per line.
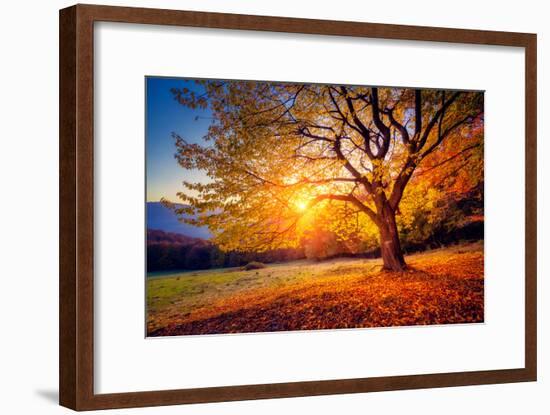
x: 301, y: 205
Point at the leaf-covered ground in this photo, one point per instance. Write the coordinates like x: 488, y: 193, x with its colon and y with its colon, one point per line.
x: 440, y: 287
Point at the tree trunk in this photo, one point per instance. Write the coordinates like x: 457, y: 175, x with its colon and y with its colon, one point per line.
x: 389, y: 241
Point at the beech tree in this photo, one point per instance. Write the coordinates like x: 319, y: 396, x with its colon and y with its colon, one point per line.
x: 278, y: 155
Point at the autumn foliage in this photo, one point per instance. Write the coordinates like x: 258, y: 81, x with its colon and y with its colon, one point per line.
x: 285, y: 161
x: 440, y: 287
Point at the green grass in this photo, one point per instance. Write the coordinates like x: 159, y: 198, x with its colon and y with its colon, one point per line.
x: 191, y: 290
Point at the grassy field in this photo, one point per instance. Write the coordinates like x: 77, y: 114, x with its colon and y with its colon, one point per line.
x: 439, y: 287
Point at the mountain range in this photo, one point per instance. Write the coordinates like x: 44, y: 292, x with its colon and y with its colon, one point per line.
x: 161, y: 218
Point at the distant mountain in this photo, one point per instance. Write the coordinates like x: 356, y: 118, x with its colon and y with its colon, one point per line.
x: 161, y: 218
x: 156, y: 236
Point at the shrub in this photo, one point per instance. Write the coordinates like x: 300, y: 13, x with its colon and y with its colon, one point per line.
x: 253, y: 265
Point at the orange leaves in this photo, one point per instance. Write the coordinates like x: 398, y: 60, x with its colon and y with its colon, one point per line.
x: 440, y: 287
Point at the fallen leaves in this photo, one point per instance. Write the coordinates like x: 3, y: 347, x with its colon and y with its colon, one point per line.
x: 440, y: 287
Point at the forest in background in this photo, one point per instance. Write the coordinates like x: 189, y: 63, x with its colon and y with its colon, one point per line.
x: 463, y: 221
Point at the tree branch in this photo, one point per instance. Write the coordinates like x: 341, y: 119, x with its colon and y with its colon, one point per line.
x: 365, y: 132
x: 442, y: 136
x: 402, y: 179
x: 417, y: 113
x: 454, y: 156
x: 349, y: 167
x: 438, y: 116
x: 383, y: 128
x: 347, y: 198
x: 401, y: 128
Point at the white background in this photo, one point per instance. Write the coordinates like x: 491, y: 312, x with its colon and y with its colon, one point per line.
x: 28, y: 308
x: 189, y: 362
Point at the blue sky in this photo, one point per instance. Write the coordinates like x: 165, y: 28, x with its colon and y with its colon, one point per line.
x: 164, y: 116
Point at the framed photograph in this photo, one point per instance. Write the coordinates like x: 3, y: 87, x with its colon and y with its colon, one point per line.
x: 259, y: 207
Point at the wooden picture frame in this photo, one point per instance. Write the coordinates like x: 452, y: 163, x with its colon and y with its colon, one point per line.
x: 76, y: 305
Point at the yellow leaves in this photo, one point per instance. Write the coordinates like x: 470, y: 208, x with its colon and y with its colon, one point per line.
x: 273, y: 147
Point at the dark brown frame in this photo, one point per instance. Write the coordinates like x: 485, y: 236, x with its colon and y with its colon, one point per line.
x: 76, y: 338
